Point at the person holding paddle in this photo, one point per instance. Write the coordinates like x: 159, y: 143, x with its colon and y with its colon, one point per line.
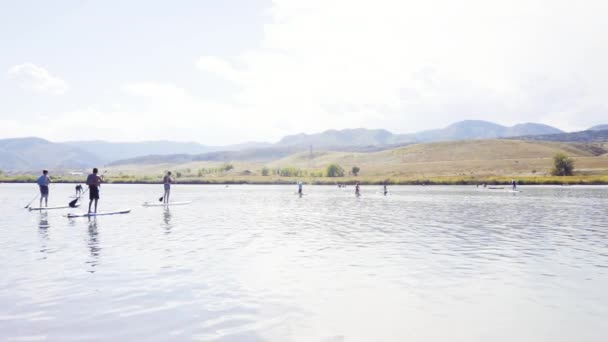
x: 43, y: 183
x: 94, y: 182
x: 167, y: 180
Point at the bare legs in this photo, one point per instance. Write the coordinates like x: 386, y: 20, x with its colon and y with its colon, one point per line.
x: 91, y: 202
x: 166, y: 196
x: 46, y: 201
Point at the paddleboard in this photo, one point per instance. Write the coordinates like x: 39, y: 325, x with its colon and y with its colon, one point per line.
x: 148, y: 204
x: 514, y: 191
x: 50, y: 208
x: 99, y: 213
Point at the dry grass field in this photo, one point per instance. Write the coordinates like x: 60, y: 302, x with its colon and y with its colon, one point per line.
x: 446, y: 162
x: 482, y: 159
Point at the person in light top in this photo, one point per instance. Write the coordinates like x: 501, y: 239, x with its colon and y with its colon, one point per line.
x: 167, y: 181
x: 43, y: 183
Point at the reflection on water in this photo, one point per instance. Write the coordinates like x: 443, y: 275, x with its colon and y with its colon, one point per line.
x: 257, y: 263
x: 167, y: 220
x: 93, y: 243
x: 43, y: 227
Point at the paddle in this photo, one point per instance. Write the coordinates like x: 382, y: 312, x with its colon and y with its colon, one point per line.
x: 160, y: 199
x: 28, y: 205
x: 72, y: 204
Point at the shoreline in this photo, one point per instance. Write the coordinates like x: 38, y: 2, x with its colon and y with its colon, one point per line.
x: 565, y: 180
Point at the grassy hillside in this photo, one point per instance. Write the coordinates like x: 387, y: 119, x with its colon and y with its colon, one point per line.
x: 445, y: 162
x: 483, y: 157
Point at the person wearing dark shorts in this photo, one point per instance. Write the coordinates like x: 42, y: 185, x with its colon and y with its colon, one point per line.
x: 43, y: 183
x: 167, y: 180
x: 94, y: 182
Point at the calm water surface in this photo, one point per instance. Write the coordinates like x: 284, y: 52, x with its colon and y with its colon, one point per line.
x: 258, y: 263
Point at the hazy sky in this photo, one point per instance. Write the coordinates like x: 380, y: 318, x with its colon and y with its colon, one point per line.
x: 221, y: 72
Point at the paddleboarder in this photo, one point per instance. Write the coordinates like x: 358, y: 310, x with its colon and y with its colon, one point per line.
x: 94, y: 182
x: 300, y: 188
x: 43, y: 183
x: 167, y: 181
x: 357, y: 190
x: 385, y: 190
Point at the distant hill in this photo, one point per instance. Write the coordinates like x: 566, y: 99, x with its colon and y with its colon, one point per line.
x: 583, y: 136
x: 347, y: 140
x: 35, y: 154
x: 256, y: 155
x: 463, y: 130
x: 112, y: 151
x: 345, y: 137
x: 494, y: 157
x: 478, y: 129
x: 599, y: 128
x: 350, y: 140
x: 479, y: 157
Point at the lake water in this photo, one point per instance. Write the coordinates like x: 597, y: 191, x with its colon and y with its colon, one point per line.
x: 258, y: 263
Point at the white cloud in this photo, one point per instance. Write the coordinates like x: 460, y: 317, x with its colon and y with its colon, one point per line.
x: 33, y: 77
x: 219, y: 67
x: 410, y: 65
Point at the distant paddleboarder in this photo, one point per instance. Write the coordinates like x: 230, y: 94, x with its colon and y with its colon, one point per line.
x: 357, y: 190
x: 167, y: 181
x: 300, y: 188
x: 43, y: 183
x: 94, y: 182
x: 513, y: 184
x: 385, y: 190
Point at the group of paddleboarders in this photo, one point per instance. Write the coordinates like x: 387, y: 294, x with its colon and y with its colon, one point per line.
x: 357, y: 188
x: 93, y: 181
x: 513, y: 184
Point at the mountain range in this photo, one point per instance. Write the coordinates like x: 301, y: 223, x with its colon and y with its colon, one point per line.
x: 32, y: 154
x: 463, y: 130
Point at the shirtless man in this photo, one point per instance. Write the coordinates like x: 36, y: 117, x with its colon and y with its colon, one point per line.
x: 94, y: 182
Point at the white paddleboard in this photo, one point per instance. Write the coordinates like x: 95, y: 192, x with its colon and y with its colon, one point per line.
x: 126, y: 211
x: 148, y: 204
x: 51, y: 208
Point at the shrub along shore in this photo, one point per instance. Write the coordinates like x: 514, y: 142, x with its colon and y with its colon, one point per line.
x: 364, y: 180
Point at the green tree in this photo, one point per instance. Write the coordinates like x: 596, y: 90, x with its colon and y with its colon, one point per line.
x: 178, y: 174
x: 290, y: 172
x: 265, y: 171
x: 227, y: 167
x: 562, y: 165
x: 355, y: 170
x: 334, y: 170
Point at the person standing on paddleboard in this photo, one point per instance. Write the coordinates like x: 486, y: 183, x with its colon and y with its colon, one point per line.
x: 43, y: 183
x: 94, y: 182
x: 357, y: 191
x: 300, y: 188
x: 167, y: 180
